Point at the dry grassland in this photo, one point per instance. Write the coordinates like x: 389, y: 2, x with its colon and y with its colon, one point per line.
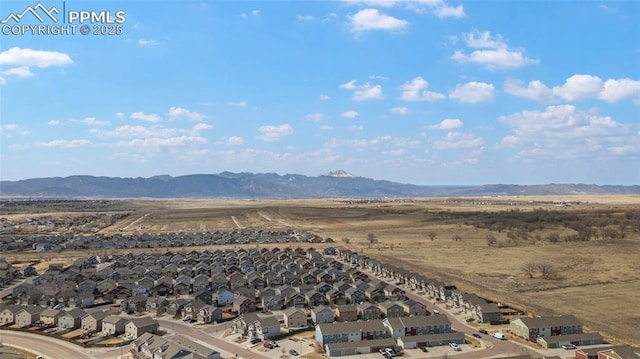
x: 599, y: 281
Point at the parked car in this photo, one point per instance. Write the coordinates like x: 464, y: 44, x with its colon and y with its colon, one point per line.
x: 483, y: 331
x: 293, y: 352
x: 455, y: 346
x: 424, y: 349
x: 569, y: 347
x: 390, y: 352
x: 187, y: 318
x: 477, y: 335
x: 255, y: 340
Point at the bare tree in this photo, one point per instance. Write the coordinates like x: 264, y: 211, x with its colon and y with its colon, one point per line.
x: 530, y: 268
x: 553, y: 237
x: 371, y: 238
x: 456, y: 237
x: 432, y: 235
x: 346, y: 240
x: 546, y: 270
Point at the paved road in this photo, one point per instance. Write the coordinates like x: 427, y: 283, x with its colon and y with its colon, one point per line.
x: 204, y: 335
x: 42, y: 345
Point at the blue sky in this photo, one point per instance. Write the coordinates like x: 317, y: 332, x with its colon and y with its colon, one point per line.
x: 423, y: 92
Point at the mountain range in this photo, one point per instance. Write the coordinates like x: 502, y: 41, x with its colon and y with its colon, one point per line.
x: 271, y: 185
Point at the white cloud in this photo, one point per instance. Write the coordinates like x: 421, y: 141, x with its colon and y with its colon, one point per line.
x: 237, y: 103
x: 120, y: 115
x: 274, y: 133
x: 324, y: 97
x: 316, y: 116
x: 437, y: 7
x: 231, y: 141
x: 147, y: 43
x: 255, y: 12
x: 326, y: 128
x: 578, y: 87
x: 179, y: 112
x: 350, y: 114
x: 400, y: 110
x: 22, y: 71
x: 363, y: 92
x: 53, y: 123
x: 2, y: 81
x: 378, y: 77
x: 128, y: 131
x: 398, y: 152
x: 473, y: 92
x: 493, y: 52
x: 372, y: 19
x: 304, y: 17
x: 454, y: 140
x: 563, y: 131
x: 63, y: 143
x: 17, y: 56
x: 535, y: 90
x: 201, y: 127
x: 357, y: 127
x: 156, y: 143
x: 416, y: 90
x: 376, y: 3
x: 447, y: 124
x: 92, y: 121
x: 141, y: 116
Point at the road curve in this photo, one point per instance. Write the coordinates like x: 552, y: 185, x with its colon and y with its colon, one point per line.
x: 42, y: 345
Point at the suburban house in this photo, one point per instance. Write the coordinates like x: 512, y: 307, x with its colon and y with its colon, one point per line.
x: 608, y: 352
x: 430, y: 340
x: 92, y: 322
x: 411, y: 307
x: 346, y: 313
x: 267, y: 328
x: 28, y: 315
x: 153, y: 347
x: 71, y: 319
x: 358, y: 347
x: 50, y: 316
x: 295, y: 318
x: 138, y: 326
x: 391, y: 309
x: 580, y: 339
x: 209, y: 314
x: 417, y: 325
x: 340, y: 332
x: 532, y: 328
x: 368, y: 311
x: 113, y: 325
x: 322, y: 315
x: 225, y: 297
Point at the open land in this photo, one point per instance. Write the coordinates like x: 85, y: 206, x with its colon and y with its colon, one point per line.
x: 481, y: 245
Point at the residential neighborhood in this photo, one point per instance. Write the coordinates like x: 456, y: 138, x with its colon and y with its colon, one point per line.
x: 352, y: 303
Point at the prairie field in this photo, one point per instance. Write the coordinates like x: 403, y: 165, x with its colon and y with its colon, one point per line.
x: 481, y: 245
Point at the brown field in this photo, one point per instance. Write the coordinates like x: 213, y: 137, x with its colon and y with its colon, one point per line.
x: 598, y: 281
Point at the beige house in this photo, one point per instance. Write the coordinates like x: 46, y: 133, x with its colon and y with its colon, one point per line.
x: 113, y: 325
x: 295, y: 318
x: 50, y: 317
x: 138, y: 326
x: 28, y: 315
x: 92, y: 322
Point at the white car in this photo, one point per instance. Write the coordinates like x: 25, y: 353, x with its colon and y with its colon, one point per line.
x: 455, y: 346
x: 569, y: 347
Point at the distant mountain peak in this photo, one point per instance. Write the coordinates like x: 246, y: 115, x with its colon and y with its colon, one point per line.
x: 340, y: 173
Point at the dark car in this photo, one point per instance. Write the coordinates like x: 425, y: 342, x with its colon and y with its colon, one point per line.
x: 477, y: 335
x: 293, y: 352
x: 255, y: 340
x: 424, y: 349
x: 483, y: 331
